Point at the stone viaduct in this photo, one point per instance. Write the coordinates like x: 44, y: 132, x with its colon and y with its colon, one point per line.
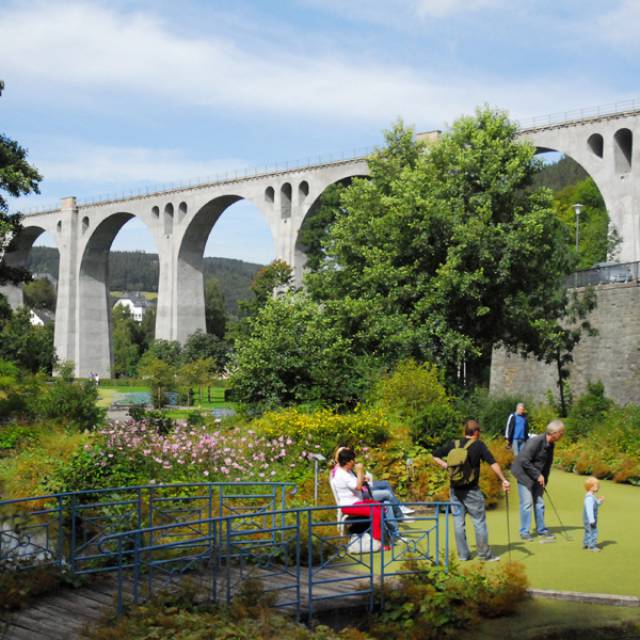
x: 181, y: 219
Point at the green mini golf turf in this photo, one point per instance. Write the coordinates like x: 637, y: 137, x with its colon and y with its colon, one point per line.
x: 564, y: 565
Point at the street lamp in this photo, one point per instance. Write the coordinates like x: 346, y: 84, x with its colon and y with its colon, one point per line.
x: 317, y: 458
x: 578, y: 210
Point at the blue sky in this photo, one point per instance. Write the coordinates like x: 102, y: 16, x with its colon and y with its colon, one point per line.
x: 112, y: 96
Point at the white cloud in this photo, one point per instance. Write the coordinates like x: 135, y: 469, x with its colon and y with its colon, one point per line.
x: 71, y: 50
x: 621, y: 25
x: 445, y: 8
x: 80, y: 162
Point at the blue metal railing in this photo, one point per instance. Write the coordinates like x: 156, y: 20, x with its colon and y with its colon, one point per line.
x: 218, y: 535
x: 295, y: 552
x: 64, y: 528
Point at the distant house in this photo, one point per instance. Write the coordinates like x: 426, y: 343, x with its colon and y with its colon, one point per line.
x: 41, y: 317
x: 135, y: 302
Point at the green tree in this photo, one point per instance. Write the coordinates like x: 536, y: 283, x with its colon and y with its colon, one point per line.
x: 29, y: 347
x: 126, y: 351
x: 294, y: 353
x: 40, y: 294
x: 161, y: 376
x: 17, y: 177
x: 197, y: 373
x: 595, y: 241
x: 168, y: 351
x: 201, y: 345
x: 444, y: 252
x: 317, y: 223
x: 215, y: 316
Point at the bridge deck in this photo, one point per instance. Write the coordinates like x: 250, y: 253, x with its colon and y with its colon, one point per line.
x: 64, y: 614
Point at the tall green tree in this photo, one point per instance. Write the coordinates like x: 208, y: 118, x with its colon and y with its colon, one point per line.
x: 17, y: 177
x: 214, y: 313
x: 445, y: 251
x: 30, y: 347
x: 294, y: 353
x: 40, y: 294
x: 126, y: 351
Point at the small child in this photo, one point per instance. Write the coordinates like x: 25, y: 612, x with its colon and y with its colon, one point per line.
x: 590, y: 514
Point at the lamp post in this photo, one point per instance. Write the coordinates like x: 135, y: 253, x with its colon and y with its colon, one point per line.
x: 578, y: 210
x: 317, y: 458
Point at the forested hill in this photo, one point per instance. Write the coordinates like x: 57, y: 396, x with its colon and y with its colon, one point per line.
x: 138, y: 271
x: 559, y: 175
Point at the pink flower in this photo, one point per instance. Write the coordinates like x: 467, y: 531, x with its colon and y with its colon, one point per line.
x: 206, y: 472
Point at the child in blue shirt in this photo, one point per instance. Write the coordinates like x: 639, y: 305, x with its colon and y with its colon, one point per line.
x: 590, y: 514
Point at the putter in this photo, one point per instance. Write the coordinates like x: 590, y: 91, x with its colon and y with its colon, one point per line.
x: 553, y: 506
x: 508, y: 526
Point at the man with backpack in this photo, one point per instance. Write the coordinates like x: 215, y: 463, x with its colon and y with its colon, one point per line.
x: 462, y: 459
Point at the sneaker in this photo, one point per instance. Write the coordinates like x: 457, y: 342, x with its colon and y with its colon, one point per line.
x: 399, y: 539
x: 387, y: 547
x: 407, y: 510
x: 595, y: 549
x: 526, y: 537
x: 491, y: 559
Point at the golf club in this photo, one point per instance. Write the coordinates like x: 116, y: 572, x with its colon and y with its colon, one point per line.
x: 564, y: 533
x: 508, y: 526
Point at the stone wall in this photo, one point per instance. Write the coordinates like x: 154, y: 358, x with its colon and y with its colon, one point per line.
x: 612, y: 356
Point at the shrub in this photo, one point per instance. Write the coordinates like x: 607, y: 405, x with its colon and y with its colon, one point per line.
x: 325, y: 429
x: 432, y: 603
x: 413, y: 394
x: 588, y: 411
x: 70, y: 400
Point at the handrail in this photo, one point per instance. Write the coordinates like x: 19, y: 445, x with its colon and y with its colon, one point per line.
x: 55, y: 496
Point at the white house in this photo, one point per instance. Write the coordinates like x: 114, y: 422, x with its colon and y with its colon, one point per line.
x: 40, y: 317
x: 136, y: 303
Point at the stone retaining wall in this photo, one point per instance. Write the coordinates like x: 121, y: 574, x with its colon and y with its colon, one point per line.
x: 613, y: 356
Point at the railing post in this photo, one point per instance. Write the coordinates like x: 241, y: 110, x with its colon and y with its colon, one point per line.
x: 72, y: 551
x: 228, y: 563
x: 151, y: 541
x: 60, y: 541
x: 310, y: 564
x: 438, y: 534
x: 120, y: 607
x: 298, y: 571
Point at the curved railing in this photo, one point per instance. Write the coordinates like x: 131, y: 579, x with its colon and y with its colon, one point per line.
x: 65, y: 528
x: 299, y: 555
x: 216, y: 535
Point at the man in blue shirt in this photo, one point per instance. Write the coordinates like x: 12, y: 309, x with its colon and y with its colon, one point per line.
x: 517, y: 431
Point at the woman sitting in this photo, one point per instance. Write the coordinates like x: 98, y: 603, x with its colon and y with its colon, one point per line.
x: 348, y: 480
x: 380, y: 490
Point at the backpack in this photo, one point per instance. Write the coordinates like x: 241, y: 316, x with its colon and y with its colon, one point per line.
x: 461, y: 473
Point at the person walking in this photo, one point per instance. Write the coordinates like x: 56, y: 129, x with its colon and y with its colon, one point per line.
x: 517, y: 430
x: 531, y: 469
x: 462, y: 459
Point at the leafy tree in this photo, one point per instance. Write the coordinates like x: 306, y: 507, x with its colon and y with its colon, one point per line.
x: 29, y: 347
x: 40, y: 294
x: 160, y: 374
x: 215, y: 316
x: 168, y: 351
x: 275, y: 276
x: 314, y: 230
x: 126, y: 351
x: 444, y: 253
x: 202, y: 345
x: 294, y: 353
x: 197, y: 373
x: 595, y: 241
x: 17, y: 177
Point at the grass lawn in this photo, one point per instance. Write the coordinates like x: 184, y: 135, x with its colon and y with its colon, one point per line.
x: 564, y: 565
x: 542, y: 618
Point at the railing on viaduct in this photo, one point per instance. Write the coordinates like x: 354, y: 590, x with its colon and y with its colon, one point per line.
x: 216, y: 535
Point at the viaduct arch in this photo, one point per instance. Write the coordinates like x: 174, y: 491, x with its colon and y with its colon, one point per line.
x: 180, y: 221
